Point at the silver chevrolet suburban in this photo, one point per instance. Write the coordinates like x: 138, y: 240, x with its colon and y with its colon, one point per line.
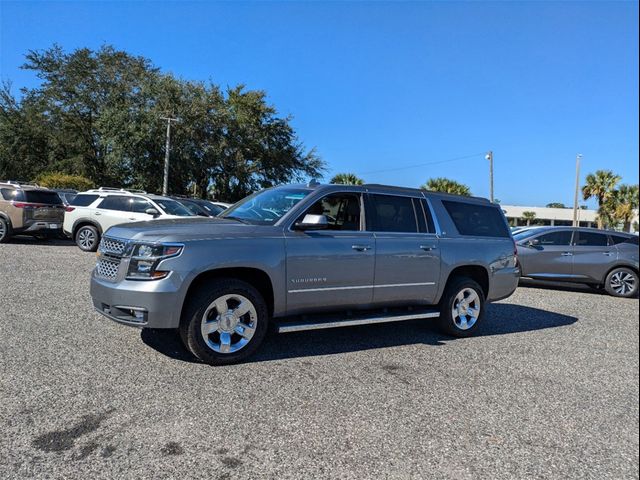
x: 305, y: 257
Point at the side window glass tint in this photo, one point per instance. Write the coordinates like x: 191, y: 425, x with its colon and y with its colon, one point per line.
x: 115, y: 203
x: 83, y: 200
x: 341, y: 209
x: 393, y: 214
x: 140, y: 205
x: 8, y: 193
x: 422, y: 222
x: 427, y: 212
x: 556, y: 238
x: 477, y: 220
x: 588, y: 239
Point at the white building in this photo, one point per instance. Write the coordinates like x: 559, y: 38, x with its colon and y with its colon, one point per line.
x: 549, y: 216
x: 552, y: 216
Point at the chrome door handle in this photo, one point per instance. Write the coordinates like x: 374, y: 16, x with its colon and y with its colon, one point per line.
x: 97, y: 213
x: 428, y: 248
x: 361, y: 248
x: 567, y: 254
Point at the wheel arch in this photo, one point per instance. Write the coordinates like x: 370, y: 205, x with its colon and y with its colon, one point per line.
x: 477, y: 273
x: 82, y: 222
x: 255, y: 277
x: 620, y: 265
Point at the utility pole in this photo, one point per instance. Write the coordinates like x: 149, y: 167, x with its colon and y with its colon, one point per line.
x: 575, y: 197
x: 167, y: 147
x: 489, y: 156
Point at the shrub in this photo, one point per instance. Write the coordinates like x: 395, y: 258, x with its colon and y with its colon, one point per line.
x: 64, y: 180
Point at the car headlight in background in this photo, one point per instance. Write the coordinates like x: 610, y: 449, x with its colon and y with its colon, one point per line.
x: 145, y: 258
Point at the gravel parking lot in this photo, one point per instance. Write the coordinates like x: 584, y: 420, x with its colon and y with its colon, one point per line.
x: 549, y: 389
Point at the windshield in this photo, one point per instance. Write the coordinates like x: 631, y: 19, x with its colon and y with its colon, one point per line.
x: 525, y: 234
x: 171, y: 207
x: 266, y: 207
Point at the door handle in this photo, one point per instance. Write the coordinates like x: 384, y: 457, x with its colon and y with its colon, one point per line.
x: 428, y: 248
x: 608, y: 254
x: 361, y: 248
x: 567, y: 254
x: 97, y: 213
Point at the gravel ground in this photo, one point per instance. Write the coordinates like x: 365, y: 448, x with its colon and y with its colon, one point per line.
x: 549, y: 389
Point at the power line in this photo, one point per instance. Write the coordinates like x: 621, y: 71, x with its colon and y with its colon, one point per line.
x: 423, y: 164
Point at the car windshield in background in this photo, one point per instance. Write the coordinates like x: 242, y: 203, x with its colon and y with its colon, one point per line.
x: 266, y: 207
x: 171, y: 207
x: 212, y: 208
x: 525, y: 234
x: 39, y: 196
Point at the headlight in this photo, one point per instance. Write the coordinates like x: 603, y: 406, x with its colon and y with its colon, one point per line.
x: 145, y: 259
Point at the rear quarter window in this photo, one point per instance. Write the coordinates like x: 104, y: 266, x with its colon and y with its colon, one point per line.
x: 83, y: 200
x: 477, y: 220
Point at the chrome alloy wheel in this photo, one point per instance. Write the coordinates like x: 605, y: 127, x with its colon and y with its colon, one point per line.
x: 3, y: 230
x: 622, y: 283
x: 466, y: 309
x: 229, y: 323
x: 86, y: 238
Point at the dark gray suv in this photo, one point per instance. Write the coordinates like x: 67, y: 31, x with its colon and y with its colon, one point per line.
x: 599, y: 258
x: 307, y: 257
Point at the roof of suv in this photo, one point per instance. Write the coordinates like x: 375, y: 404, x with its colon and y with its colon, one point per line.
x: 21, y: 186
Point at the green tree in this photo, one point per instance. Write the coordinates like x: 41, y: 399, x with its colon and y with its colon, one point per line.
x: 346, y: 179
x: 528, y: 217
x: 601, y: 186
x: 98, y: 114
x: 622, y: 206
x: 556, y: 205
x: 446, y: 185
x: 63, y: 180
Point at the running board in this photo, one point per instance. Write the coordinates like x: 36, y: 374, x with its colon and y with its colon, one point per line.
x: 299, y: 326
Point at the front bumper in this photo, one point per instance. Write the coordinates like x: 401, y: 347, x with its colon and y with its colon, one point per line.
x: 147, y: 304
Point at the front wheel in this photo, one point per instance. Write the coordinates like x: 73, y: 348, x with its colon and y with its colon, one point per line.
x: 621, y: 282
x: 462, y: 308
x: 224, y: 322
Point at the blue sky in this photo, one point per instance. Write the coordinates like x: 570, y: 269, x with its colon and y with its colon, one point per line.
x: 378, y: 87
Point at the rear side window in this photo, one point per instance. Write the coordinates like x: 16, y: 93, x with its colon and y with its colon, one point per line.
x: 393, y: 214
x: 42, y: 196
x: 618, y: 239
x: 477, y: 220
x: 427, y: 213
x: 589, y: 239
x: 83, y: 200
x: 9, y: 194
x: 561, y: 238
x: 115, y: 202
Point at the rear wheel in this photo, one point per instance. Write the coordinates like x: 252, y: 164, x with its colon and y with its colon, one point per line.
x: 88, y: 238
x: 621, y: 282
x: 224, y: 322
x: 462, y: 307
x: 4, y: 230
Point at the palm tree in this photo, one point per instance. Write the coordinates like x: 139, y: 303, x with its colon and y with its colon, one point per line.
x: 347, y: 179
x: 601, y: 185
x: 528, y: 217
x: 446, y: 185
x: 625, y: 204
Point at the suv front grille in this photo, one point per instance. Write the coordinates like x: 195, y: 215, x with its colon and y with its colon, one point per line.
x: 107, y: 268
x: 112, y: 246
x: 111, y: 252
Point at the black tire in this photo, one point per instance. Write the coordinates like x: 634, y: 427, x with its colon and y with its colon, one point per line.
x: 5, y: 230
x: 201, y: 302
x: 87, y: 238
x: 450, y: 325
x: 622, y: 282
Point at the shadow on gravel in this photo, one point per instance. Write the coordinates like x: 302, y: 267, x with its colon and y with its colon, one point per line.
x: 50, y: 242
x: 501, y: 319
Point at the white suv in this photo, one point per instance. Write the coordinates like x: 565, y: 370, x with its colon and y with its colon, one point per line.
x: 93, y: 212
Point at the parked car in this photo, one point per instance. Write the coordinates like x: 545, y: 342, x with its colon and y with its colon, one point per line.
x: 203, y: 208
x: 93, y: 212
x: 599, y: 258
x: 27, y: 209
x: 307, y: 257
x: 66, y: 195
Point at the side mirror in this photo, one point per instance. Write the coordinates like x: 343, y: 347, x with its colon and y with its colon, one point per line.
x: 534, y: 242
x: 153, y: 212
x: 312, y: 222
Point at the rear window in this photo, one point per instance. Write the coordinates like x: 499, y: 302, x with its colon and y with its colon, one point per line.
x: 393, y: 214
x: 171, y: 207
x: 42, y: 196
x: 83, y: 200
x: 618, y: 239
x: 477, y: 220
x: 588, y: 239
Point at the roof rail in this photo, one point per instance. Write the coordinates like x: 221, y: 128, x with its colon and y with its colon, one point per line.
x: 21, y: 183
x: 118, y: 190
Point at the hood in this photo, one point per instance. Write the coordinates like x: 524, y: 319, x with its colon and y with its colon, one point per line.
x: 187, y: 229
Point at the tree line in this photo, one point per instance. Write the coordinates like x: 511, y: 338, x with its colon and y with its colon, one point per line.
x: 98, y: 115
